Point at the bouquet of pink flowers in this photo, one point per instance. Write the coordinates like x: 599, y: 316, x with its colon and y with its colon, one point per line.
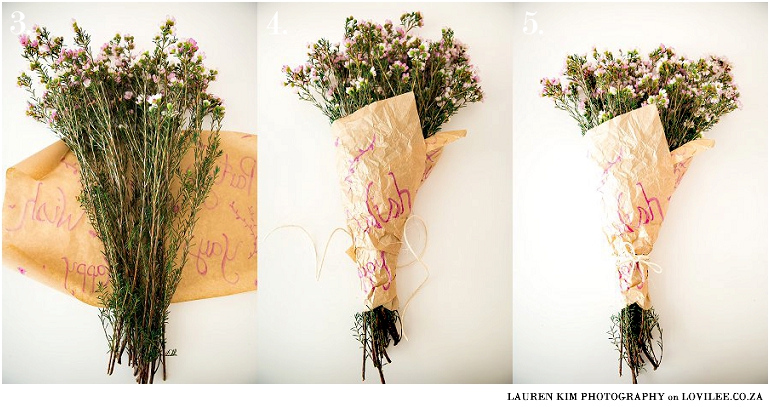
x: 644, y: 118
x: 387, y: 93
x: 129, y: 120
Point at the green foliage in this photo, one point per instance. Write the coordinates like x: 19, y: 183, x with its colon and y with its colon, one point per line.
x: 375, y: 329
x: 130, y: 119
x: 633, y: 332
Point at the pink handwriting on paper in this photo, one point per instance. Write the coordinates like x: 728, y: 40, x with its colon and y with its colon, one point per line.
x: 679, y: 170
x: 37, y: 210
x: 212, y: 200
x: 361, y: 152
x: 243, y: 177
x: 250, y: 224
x: 625, y: 274
x: 430, y: 163
x: 606, y: 171
x: 89, y: 272
x: 72, y: 166
x: 396, y: 208
x: 646, y: 213
x: 367, y: 272
x: 363, y: 221
x: 219, y: 251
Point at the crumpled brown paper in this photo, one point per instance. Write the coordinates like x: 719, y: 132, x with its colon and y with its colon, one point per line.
x: 47, y: 237
x: 637, y: 176
x: 382, y: 160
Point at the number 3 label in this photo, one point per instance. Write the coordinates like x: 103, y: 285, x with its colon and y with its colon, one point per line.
x: 22, y: 26
x: 527, y: 20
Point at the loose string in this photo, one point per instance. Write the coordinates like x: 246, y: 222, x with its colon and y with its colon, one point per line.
x: 417, y: 258
x: 627, y: 255
x: 312, y: 243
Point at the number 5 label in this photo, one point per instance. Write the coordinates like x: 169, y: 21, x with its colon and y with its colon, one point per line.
x: 527, y: 20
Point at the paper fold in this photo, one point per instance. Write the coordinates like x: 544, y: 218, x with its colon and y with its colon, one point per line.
x: 637, y: 175
x: 382, y: 159
x: 47, y: 237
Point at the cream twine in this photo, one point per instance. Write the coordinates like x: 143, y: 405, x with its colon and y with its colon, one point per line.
x: 417, y: 257
x: 315, y: 251
x: 627, y: 255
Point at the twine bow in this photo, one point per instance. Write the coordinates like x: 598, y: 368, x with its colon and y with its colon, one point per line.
x: 627, y: 255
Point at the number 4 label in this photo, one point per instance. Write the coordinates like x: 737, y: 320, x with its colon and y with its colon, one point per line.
x: 273, y: 25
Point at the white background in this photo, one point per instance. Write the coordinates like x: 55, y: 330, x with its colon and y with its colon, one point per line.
x: 459, y: 325
x: 49, y: 337
x: 712, y: 295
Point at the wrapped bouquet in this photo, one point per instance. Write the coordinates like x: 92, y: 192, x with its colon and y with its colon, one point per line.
x: 387, y: 94
x: 644, y: 117
x: 130, y: 119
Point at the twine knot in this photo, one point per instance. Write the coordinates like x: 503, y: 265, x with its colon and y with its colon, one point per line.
x: 627, y: 256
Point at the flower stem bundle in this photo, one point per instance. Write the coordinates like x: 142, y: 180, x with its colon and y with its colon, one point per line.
x: 130, y: 119
x: 375, y: 329
x: 610, y: 96
x: 397, y: 85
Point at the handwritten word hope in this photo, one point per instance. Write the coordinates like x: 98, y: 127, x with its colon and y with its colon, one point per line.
x: 218, y: 251
x: 396, y: 207
x: 646, y: 213
x: 36, y: 209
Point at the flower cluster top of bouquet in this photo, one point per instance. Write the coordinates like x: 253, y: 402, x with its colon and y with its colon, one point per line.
x: 378, y: 61
x: 164, y: 83
x: 690, y: 95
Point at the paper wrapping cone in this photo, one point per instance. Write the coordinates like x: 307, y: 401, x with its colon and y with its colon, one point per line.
x: 637, y: 176
x: 382, y: 160
x: 47, y: 237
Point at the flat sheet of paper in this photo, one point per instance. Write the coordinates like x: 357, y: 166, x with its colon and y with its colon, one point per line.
x: 637, y: 176
x: 382, y: 159
x: 47, y: 237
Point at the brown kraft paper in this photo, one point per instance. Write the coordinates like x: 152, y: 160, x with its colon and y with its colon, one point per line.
x: 637, y: 176
x: 47, y: 237
x: 382, y: 159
